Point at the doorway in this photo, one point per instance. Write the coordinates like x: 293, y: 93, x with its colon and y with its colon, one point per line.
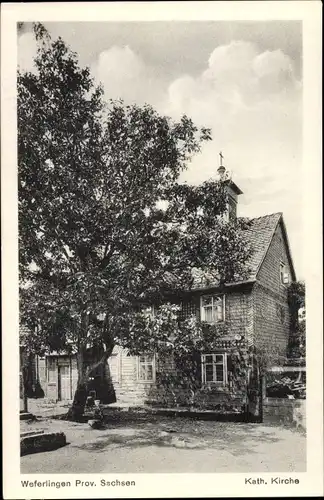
x: 64, y: 382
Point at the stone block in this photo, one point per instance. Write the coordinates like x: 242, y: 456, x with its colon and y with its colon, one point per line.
x: 299, y: 416
x: 31, y: 433
x: 285, y: 412
x: 42, y: 442
x: 26, y: 416
x: 95, y: 424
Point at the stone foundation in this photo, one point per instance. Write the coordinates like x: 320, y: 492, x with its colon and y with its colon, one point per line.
x: 290, y: 412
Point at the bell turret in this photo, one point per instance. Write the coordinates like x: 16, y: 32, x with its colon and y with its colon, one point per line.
x: 233, y: 191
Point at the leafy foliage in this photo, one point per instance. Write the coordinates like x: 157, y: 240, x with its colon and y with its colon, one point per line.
x: 181, y: 343
x: 296, y: 298
x: 104, y: 224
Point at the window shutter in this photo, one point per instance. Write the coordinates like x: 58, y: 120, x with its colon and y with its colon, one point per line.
x: 229, y: 361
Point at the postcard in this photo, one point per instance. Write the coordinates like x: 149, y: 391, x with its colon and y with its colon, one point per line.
x: 161, y: 244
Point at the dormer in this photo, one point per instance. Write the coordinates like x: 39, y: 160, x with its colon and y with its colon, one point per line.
x: 233, y: 191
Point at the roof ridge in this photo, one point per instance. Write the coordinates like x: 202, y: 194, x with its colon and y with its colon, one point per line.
x: 262, y: 216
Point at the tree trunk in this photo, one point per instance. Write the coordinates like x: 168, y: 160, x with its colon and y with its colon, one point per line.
x: 25, y: 398
x: 254, y: 394
x: 93, y: 374
x: 27, y: 379
x: 80, y: 396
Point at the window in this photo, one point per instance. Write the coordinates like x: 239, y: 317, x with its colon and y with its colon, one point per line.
x: 114, y: 366
x: 213, y: 368
x: 231, y: 209
x: 188, y: 308
x: 149, y: 311
x: 212, y: 308
x: 284, y: 275
x: 51, y: 370
x: 146, y: 368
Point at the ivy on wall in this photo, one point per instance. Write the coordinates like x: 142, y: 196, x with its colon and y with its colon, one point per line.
x: 181, y: 383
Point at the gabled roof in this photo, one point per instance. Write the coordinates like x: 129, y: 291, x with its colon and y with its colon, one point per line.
x: 259, y: 235
x: 234, y: 186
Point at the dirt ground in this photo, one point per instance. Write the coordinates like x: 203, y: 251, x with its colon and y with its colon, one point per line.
x: 137, y: 443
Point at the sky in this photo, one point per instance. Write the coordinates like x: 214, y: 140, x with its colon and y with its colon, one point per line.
x: 241, y: 79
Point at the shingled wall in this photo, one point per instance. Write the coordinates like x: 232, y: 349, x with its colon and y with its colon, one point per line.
x: 271, y: 311
x: 238, y: 317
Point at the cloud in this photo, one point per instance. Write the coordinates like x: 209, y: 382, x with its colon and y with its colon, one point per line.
x: 237, y: 78
x: 120, y: 64
x: 124, y: 75
x: 252, y: 100
x: 26, y: 51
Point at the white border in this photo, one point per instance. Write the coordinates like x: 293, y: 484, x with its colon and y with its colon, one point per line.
x: 167, y: 485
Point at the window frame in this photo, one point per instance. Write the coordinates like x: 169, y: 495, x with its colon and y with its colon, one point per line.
x: 149, y: 311
x: 139, y: 364
x: 116, y: 355
x: 51, y: 367
x: 282, y: 272
x: 232, y: 209
x: 202, y: 308
x: 214, y: 363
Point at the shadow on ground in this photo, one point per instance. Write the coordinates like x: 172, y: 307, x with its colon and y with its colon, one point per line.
x: 150, y: 443
x: 125, y: 431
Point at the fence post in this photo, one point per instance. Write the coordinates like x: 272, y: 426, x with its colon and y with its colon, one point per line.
x: 24, y: 384
x: 262, y: 393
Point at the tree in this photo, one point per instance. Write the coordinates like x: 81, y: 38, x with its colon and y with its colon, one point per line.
x: 296, y: 298
x: 105, y: 226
